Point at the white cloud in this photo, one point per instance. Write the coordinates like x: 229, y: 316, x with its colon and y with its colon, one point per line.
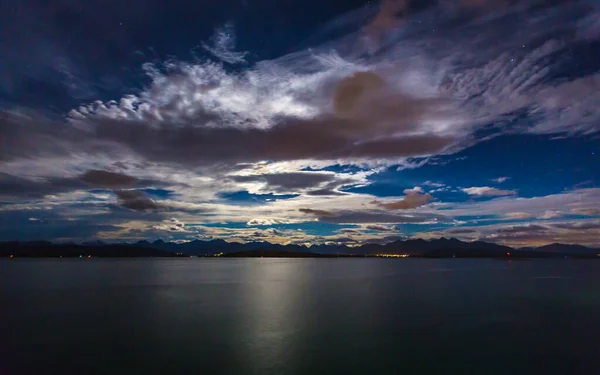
x: 268, y: 221
x: 486, y: 191
x: 581, y: 199
x: 501, y: 179
x: 223, y: 44
x: 172, y: 225
x: 550, y: 214
x: 434, y: 184
x: 517, y: 215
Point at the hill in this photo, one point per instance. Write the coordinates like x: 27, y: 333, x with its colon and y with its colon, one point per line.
x: 437, y: 248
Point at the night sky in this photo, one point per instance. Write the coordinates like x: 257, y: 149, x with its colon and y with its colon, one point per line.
x: 300, y: 121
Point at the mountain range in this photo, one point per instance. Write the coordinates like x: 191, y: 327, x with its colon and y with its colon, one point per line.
x: 437, y: 248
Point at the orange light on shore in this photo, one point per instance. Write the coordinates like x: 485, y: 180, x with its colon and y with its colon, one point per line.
x: 508, y: 253
x: 89, y: 256
x: 12, y: 256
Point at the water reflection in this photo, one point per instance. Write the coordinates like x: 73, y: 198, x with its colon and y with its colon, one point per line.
x: 273, y: 293
x: 299, y: 316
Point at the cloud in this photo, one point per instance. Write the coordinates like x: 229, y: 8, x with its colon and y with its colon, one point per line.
x: 578, y: 226
x: 107, y: 179
x: 311, y: 183
x: 324, y: 139
x: 501, y: 179
x: 172, y: 225
x: 381, y: 228
x: 517, y: 215
x: 324, y: 105
x: 589, y: 27
x: 414, y: 198
x: 30, y: 134
x: 486, y: 4
x: 136, y: 200
x: 523, y: 229
x: 373, y: 217
x: 267, y: 221
x: 584, y: 233
x: 586, y: 211
x: 358, y: 217
x: 389, y: 16
x: 549, y: 214
x: 349, y: 231
x: 574, y: 200
x: 318, y: 213
x: 15, y: 187
x: 434, y: 184
x: 223, y: 45
x: 486, y: 191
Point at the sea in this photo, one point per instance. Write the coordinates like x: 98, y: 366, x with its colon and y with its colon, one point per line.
x: 299, y: 316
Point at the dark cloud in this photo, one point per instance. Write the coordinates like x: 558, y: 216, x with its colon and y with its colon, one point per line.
x: 390, y: 14
x: 310, y: 183
x: 578, y: 226
x: 585, y: 233
x: 25, y: 133
x: 349, y: 231
x: 18, y: 187
x: 107, y: 179
x: 351, y: 90
x: 120, y: 165
x: 523, y: 229
x: 288, y: 181
x: 18, y: 226
x: 137, y: 200
x: 414, y: 199
x: 486, y: 5
x: 324, y: 139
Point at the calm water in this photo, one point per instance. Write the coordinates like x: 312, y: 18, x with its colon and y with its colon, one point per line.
x: 299, y: 316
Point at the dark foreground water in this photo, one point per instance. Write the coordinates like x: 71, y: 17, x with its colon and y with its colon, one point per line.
x: 299, y: 316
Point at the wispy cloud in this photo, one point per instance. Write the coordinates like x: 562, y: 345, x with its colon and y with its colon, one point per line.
x: 486, y: 191
x: 222, y: 46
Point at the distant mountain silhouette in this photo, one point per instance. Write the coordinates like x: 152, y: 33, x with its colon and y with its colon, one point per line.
x: 50, y: 250
x: 559, y: 248
x: 436, y: 248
